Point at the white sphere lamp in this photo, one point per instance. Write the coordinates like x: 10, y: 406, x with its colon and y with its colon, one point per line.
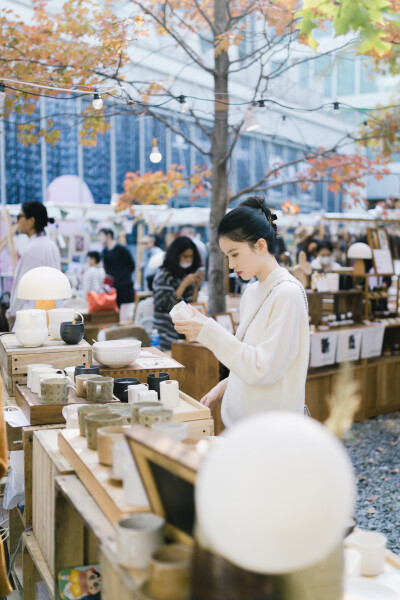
x: 359, y: 251
x: 44, y: 284
x: 277, y: 495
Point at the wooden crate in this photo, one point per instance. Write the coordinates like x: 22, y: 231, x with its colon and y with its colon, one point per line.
x: 47, y: 463
x: 14, y: 358
x: 118, y: 582
x: 42, y: 414
x: 151, y: 360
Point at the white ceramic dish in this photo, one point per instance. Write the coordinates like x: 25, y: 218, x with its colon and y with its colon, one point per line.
x: 367, y: 589
x: 120, y: 344
x: 116, y: 353
x: 115, y: 360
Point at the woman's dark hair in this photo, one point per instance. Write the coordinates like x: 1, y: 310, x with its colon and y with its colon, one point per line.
x: 38, y: 211
x: 174, y: 250
x: 107, y: 231
x: 324, y: 245
x: 249, y: 222
x: 95, y: 255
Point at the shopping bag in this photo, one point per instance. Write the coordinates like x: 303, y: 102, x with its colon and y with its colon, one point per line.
x: 102, y: 301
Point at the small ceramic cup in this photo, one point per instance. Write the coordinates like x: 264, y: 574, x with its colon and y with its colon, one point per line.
x: 70, y: 414
x: 91, y: 369
x: 372, y: 546
x: 55, y: 391
x: 37, y: 373
x: 133, y: 391
x: 93, y: 421
x: 72, y: 333
x: 70, y: 372
x: 138, y: 536
x: 170, y: 572
x: 30, y: 369
x: 169, y: 393
x: 121, y: 387
x: 51, y: 375
x: 85, y: 409
x: 147, y: 396
x: 137, y: 406
x: 150, y: 415
x: 81, y: 384
x: 154, y: 381
x: 107, y: 437
x: 124, y: 410
x: 100, y: 389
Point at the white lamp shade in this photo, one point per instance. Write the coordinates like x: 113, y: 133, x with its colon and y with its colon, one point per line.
x: 276, y: 495
x: 44, y: 283
x: 359, y: 250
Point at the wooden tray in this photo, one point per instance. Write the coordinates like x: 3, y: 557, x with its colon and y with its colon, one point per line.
x: 43, y: 414
x: 107, y: 493
x: 190, y: 409
x: 151, y: 360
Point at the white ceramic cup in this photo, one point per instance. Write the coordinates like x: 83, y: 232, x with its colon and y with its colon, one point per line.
x: 352, y: 563
x: 30, y: 369
x: 332, y: 280
x: 147, y: 396
x: 169, y: 393
x: 38, y: 372
x: 138, y: 536
x: 70, y: 414
x: 133, y: 391
x: 58, y: 316
x: 121, y: 457
x: 70, y: 372
x: 174, y: 429
x: 134, y: 492
x: 371, y: 545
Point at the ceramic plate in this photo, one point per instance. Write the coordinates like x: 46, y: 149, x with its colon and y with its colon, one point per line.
x: 365, y: 589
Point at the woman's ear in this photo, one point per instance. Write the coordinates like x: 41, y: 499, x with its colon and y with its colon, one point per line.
x: 261, y: 246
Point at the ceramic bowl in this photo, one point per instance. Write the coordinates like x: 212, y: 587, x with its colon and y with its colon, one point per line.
x: 106, y: 438
x: 116, y: 353
x: 72, y: 333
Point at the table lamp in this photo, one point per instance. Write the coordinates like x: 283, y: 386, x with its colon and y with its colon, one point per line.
x: 359, y: 251
x: 45, y: 285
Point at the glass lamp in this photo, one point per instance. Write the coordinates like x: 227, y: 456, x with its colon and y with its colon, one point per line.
x: 45, y: 285
x: 359, y: 251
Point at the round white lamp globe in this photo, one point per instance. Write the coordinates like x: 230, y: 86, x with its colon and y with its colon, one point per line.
x: 277, y: 495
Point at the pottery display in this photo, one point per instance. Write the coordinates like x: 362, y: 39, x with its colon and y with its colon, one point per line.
x: 100, y: 389
x: 156, y: 414
x: 121, y: 385
x: 138, y: 536
x: 60, y: 315
x: 170, y: 572
x: 31, y: 327
x: 55, y: 390
x: 81, y: 383
x: 84, y: 409
x: 154, y: 381
x: 133, y: 391
x: 30, y: 369
x: 93, y: 421
x: 107, y: 437
x: 137, y: 406
x: 72, y: 333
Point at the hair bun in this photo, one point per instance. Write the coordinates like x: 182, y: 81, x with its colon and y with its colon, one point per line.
x: 50, y: 220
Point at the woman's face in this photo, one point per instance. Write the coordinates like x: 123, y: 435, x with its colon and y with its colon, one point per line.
x: 186, y: 258
x: 25, y: 225
x: 243, y: 258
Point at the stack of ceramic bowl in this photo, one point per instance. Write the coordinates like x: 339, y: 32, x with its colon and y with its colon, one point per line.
x: 116, y: 353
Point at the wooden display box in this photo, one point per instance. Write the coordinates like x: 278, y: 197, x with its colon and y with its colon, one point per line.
x: 43, y: 414
x: 15, y: 358
x: 151, y: 360
x: 47, y: 463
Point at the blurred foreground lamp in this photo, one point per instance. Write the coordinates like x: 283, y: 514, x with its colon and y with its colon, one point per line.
x: 359, y: 251
x: 45, y: 285
x: 155, y: 155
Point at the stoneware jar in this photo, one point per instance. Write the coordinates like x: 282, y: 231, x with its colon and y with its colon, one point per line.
x: 150, y: 415
x: 84, y: 409
x: 100, y: 389
x: 94, y: 421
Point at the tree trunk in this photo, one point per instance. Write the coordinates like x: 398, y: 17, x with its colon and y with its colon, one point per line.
x: 219, y: 189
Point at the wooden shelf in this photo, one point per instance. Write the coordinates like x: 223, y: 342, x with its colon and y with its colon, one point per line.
x: 36, y: 555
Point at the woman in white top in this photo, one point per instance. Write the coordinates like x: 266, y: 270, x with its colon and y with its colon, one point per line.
x: 268, y: 356
x: 40, y: 252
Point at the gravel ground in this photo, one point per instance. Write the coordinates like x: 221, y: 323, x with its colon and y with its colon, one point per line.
x: 374, y: 447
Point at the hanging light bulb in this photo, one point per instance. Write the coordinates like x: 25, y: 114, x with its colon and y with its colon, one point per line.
x: 184, y: 103
x: 97, y: 101
x: 2, y: 92
x: 155, y: 155
x: 250, y: 121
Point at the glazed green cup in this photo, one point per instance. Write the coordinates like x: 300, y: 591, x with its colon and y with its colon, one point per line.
x: 136, y: 406
x: 150, y: 415
x: 93, y: 422
x: 92, y: 408
x: 100, y: 389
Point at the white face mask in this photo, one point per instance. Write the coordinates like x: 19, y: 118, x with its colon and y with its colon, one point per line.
x: 325, y: 261
x: 185, y: 264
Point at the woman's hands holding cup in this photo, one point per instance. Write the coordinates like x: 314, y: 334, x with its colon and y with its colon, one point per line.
x: 190, y: 327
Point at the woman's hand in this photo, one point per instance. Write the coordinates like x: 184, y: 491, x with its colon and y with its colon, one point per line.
x: 215, y: 395
x: 191, y: 327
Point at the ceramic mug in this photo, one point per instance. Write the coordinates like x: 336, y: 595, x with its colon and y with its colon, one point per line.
x: 122, y: 456
x: 121, y: 385
x: 372, y: 546
x: 58, y: 316
x: 138, y: 405
x: 133, y: 391
x: 100, y: 389
x: 169, y: 393
x: 40, y: 372
x: 30, y: 369
x: 84, y: 409
x: 70, y: 414
x: 123, y: 410
x: 107, y: 437
x: 53, y: 375
x: 72, y: 333
x: 93, y: 421
x: 138, y: 536
x: 70, y: 371
x: 154, y: 381
x: 148, y: 416
x: 92, y: 369
x: 170, y: 572
x: 55, y: 391
x: 81, y: 384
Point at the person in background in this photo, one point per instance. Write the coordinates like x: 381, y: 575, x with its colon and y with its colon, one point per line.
x: 93, y: 278
x: 325, y: 260
x: 190, y: 232
x: 145, y: 309
x: 119, y: 264
x: 174, y: 282
x: 40, y: 252
x: 151, y: 249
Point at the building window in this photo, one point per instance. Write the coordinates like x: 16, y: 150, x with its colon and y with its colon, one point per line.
x: 345, y: 75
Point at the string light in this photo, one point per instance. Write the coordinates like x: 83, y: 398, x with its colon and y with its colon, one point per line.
x: 97, y: 101
x: 155, y: 155
x: 250, y: 121
x: 336, y: 105
x: 2, y: 92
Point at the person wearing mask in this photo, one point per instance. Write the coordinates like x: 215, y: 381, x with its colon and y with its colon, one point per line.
x: 325, y: 261
x: 190, y: 232
x: 268, y: 355
x: 119, y: 264
x: 40, y: 252
x: 174, y: 282
x: 93, y: 278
